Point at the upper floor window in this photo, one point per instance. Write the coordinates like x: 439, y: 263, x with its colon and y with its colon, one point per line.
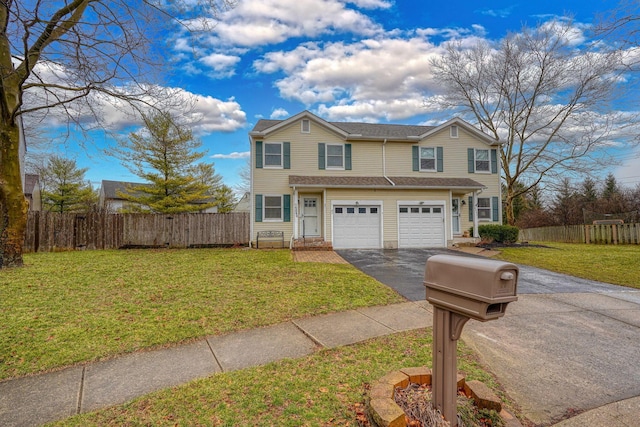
x: 453, y: 131
x: 482, y: 162
x: 305, y: 126
x: 272, y: 154
x: 427, y: 159
x: 335, y: 156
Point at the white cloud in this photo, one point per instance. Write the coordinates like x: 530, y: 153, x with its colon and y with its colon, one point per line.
x: 497, y: 13
x: 372, y: 4
x: 279, y: 113
x: 628, y: 174
x: 262, y: 22
x: 235, y: 155
x: 220, y: 64
x: 359, y: 73
x: 205, y: 114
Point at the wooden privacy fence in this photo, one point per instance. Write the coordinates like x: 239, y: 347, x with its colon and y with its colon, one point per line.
x: 48, y: 231
x: 627, y: 234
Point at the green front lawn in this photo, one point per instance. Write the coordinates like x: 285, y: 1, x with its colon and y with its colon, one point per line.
x: 617, y: 264
x: 70, y: 307
x: 319, y: 390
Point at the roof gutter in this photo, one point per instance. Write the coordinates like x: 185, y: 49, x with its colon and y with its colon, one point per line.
x: 384, y: 162
x: 396, y: 187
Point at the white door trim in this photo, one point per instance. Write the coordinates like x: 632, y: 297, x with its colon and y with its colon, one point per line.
x: 303, y: 226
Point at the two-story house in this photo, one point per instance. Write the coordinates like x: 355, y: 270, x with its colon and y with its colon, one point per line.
x: 362, y: 185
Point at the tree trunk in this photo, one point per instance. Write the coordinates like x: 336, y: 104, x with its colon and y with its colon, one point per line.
x: 13, y: 206
x: 509, y: 208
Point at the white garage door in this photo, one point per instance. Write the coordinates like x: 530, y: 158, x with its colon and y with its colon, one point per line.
x: 421, y: 226
x: 356, y: 227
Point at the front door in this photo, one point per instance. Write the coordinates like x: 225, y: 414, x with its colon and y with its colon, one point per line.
x: 455, y: 215
x: 309, y: 221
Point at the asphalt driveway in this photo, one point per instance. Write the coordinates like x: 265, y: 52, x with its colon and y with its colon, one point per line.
x: 566, y: 346
x: 403, y: 270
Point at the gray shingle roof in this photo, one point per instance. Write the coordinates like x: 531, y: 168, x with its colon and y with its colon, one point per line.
x: 111, y: 188
x: 376, y: 130
x: 381, y: 182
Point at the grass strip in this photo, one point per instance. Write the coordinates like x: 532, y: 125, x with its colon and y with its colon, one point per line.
x: 70, y: 307
x: 616, y: 264
x: 319, y: 390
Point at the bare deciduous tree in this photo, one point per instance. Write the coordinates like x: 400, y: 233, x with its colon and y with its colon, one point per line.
x: 72, y: 57
x: 546, y: 100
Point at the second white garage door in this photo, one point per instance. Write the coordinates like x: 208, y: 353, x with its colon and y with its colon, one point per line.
x: 356, y: 227
x: 421, y: 226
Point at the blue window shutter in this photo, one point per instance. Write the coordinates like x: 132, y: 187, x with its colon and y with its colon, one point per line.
x: 471, y: 159
x: 347, y: 157
x: 258, y: 154
x: 415, y: 158
x: 321, y: 161
x: 258, y: 207
x: 494, y: 161
x: 286, y: 208
x: 494, y: 209
x: 439, y: 159
x: 470, y: 208
x: 286, y: 155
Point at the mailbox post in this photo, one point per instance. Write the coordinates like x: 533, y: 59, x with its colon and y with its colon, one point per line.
x: 462, y: 288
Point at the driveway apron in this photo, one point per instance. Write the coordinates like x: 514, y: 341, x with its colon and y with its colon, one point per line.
x: 566, y: 346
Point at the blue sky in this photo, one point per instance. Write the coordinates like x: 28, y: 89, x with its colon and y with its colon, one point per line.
x: 358, y: 60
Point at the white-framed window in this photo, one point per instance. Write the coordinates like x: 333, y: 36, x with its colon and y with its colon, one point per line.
x: 453, y: 131
x: 305, y: 126
x: 484, y: 208
x: 272, y: 154
x: 482, y: 161
x: 427, y: 158
x: 335, y: 156
x: 273, y: 208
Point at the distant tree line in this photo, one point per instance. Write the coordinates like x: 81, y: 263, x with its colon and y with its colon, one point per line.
x: 579, y: 203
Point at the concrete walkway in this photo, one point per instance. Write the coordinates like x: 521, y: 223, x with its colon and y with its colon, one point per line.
x: 38, y: 399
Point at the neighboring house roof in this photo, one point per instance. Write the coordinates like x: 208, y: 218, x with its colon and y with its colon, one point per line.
x: 359, y: 131
x: 110, y: 189
x: 382, y: 182
x: 30, y: 181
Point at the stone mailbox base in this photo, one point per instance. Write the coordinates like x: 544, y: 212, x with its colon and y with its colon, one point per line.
x: 385, y: 412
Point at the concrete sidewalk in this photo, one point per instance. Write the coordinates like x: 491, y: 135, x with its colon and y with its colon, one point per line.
x: 38, y: 399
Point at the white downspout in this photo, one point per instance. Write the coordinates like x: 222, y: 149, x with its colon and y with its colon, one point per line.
x: 475, y: 213
x: 384, y: 163
x: 252, y: 213
x: 296, y: 210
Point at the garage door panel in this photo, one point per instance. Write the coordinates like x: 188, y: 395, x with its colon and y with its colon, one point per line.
x: 421, y: 226
x: 356, y: 227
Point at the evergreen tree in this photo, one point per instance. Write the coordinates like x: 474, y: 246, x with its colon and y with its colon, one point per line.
x: 64, y: 188
x: 566, y: 207
x: 164, y: 154
x: 589, y: 191
x: 225, y: 200
x: 610, y: 189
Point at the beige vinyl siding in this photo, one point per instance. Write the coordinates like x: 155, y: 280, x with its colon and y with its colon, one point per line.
x: 367, y: 160
x: 399, y: 156
x: 389, y: 199
x: 366, y: 156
